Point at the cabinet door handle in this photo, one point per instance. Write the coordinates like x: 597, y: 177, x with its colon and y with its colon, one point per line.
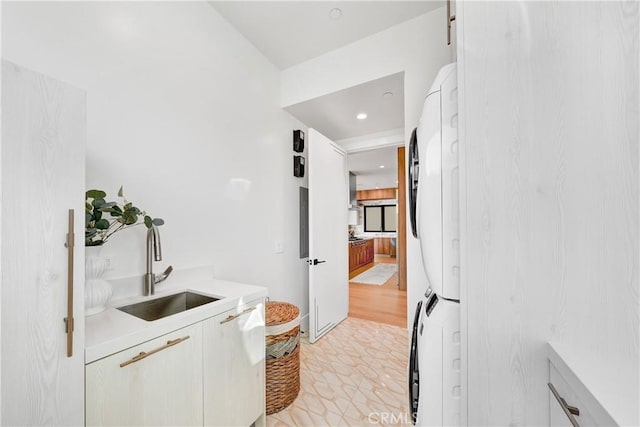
x: 235, y: 316
x: 69, y: 319
x: 568, y: 410
x: 144, y: 355
x: 450, y: 19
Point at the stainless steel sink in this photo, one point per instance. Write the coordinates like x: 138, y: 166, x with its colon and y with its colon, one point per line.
x: 166, y: 306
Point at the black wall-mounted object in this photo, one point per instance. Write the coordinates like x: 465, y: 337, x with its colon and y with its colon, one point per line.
x: 298, y: 141
x: 298, y: 166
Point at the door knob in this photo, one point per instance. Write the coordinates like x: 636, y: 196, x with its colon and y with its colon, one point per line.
x: 315, y: 261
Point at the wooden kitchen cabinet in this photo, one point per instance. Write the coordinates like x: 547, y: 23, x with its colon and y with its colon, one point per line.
x: 234, y: 369
x: 377, y: 194
x: 383, y: 246
x: 361, y: 252
x: 163, y: 388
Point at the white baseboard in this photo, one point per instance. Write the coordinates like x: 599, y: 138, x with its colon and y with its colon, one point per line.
x: 304, y: 323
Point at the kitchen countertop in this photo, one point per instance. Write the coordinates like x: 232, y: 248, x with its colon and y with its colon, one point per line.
x: 113, y: 330
x: 385, y: 235
x: 361, y: 239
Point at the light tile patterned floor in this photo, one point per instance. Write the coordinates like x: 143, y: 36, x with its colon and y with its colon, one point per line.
x: 354, y: 376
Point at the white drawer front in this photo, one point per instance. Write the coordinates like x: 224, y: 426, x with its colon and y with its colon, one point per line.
x: 591, y: 414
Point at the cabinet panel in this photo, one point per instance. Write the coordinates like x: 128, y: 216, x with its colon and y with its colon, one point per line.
x: 557, y: 418
x: 352, y: 260
x: 234, y: 366
x: 575, y: 394
x: 43, y: 138
x: 549, y: 211
x: 383, y: 246
x: 377, y: 194
x: 162, y: 389
x: 360, y: 253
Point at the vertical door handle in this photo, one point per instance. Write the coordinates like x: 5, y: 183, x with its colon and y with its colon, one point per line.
x: 450, y: 19
x: 69, y: 319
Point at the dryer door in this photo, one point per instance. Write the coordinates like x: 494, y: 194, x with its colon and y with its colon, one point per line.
x: 439, y: 359
x: 414, y: 374
x: 438, y: 196
x: 414, y: 169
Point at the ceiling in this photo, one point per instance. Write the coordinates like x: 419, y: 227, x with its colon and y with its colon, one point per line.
x: 334, y: 115
x: 366, y: 166
x: 291, y: 32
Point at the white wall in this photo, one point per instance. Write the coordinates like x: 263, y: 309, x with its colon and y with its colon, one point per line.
x: 419, y: 48
x: 183, y: 112
x: 549, y: 121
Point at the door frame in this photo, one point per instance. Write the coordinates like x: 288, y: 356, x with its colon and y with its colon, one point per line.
x: 401, y: 233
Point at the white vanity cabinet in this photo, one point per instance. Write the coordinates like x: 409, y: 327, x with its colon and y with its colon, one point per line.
x: 210, y: 373
x: 234, y: 368
x: 156, y: 383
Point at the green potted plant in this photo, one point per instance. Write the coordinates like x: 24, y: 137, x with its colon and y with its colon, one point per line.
x: 102, y: 220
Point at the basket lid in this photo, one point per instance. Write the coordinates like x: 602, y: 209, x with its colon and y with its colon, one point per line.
x: 278, y: 312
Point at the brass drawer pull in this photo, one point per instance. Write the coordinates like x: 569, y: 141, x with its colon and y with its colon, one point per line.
x: 235, y: 316
x: 144, y: 355
x: 569, y: 411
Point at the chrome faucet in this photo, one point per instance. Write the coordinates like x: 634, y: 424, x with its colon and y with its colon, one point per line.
x: 150, y: 279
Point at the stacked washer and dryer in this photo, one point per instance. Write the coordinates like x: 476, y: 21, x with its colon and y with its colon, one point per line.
x: 434, y: 362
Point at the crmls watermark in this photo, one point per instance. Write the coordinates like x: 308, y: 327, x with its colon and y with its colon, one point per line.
x: 383, y: 418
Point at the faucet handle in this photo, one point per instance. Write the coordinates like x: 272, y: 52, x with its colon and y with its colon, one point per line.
x: 164, y: 275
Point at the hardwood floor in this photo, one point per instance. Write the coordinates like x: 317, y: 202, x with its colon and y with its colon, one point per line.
x: 384, y: 304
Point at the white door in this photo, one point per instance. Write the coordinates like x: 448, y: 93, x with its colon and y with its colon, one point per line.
x: 43, y: 136
x: 328, y: 227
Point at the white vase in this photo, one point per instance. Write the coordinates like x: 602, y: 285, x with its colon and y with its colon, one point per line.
x: 97, y: 290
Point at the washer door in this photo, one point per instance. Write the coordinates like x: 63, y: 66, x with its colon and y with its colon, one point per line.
x: 439, y: 359
x: 414, y: 169
x: 414, y: 372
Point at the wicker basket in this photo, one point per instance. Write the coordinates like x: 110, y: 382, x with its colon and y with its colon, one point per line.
x: 282, y: 355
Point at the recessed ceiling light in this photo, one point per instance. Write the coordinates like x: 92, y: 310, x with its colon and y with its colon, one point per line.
x: 335, y: 13
x: 361, y: 116
x: 381, y: 166
x: 387, y: 95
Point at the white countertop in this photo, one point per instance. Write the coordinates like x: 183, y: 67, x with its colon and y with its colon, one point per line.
x: 113, y: 330
x: 389, y: 235
x: 612, y: 383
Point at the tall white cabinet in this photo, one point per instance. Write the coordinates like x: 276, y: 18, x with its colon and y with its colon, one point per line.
x: 549, y: 128
x: 43, y: 137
